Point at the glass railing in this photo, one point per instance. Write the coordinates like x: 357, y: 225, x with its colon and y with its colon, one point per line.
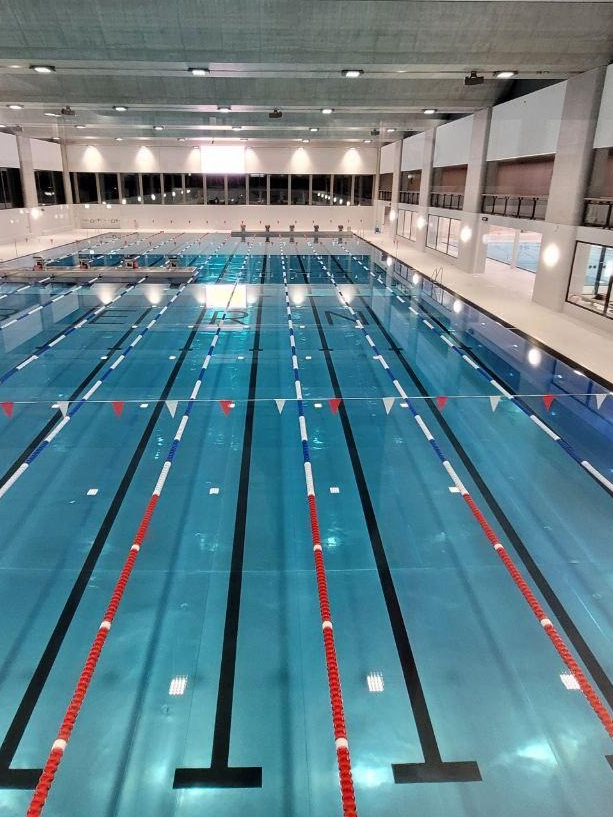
x: 598, y: 213
x: 450, y: 201
x: 513, y: 206
x: 409, y: 197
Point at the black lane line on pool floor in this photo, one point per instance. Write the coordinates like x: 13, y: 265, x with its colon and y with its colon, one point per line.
x: 220, y: 774
x: 591, y: 663
x: 28, y: 778
x: 434, y: 769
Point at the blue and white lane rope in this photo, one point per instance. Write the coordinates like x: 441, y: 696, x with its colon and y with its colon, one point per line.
x: 58, y: 748
x: 515, y: 399
x: 599, y: 708
x: 39, y: 307
x: 334, y: 681
x: 77, y: 405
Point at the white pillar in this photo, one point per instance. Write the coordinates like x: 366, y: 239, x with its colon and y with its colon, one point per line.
x: 26, y: 167
x: 469, y: 257
x: 425, y: 186
x: 568, y: 187
x: 396, y: 186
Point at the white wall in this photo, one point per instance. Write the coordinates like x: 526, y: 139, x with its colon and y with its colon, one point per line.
x: 18, y: 224
x: 8, y: 150
x: 527, y: 126
x: 452, y: 145
x: 387, y: 158
x: 152, y: 159
x: 413, y: 152
x: 46, y: 155
x: 203, y: 217
x: 604, y: 128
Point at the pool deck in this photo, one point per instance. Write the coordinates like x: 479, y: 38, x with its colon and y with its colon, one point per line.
x: 507, y: 297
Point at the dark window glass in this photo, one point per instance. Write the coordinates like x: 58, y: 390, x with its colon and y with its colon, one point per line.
x: 129, y: 188
x: 321, y: 190
x: 86, y: 186
x: 237, y: 189
x: 279, y: 188
x: 152, y: 188
x: 173, y: 188
x: 342, y: 190
x: 109, y: 188
x: 10, y: 188
x: 194, y: 188
x: 300, y: 189
x: 362, y: 190
x: 50, y: 186
x: 74, y: 187
x: 257, y: 188
x: 215, y: 189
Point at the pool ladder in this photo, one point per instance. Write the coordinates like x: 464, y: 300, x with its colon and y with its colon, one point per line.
x: 437, y: 281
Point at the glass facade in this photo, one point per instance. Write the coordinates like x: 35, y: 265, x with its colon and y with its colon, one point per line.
x: 407, y: 224
x: 109, y: 188
x: 258, y: 188
x: 279, y: 188
x: 237, y: 189
x: 152, y: 188
x: 173, y: 188
x: 194, y: 188
x: 300, y: 189
x: 443, y: 235
x: 362, y: 189
x: 10, y: 188
x: 216, y: 189
x: 130, y: 190
x: 342, y: 190
x: 321, y: 189
x: 591, y: 278
x: 50, y: 187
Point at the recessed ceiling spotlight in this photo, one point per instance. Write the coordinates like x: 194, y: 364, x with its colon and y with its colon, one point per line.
x: 181, y: 139
x: 507, y: 74
x: 43, y: 69
x: 352, y: 73
x: 224, y: 108
x: 327, y: 110
x: 391, y: 130
x: 55, y: 138
x: 15, y: 107
x: 50, y: 113
x: 236, y: 127
x: 15, y: 66
x: 119, y: 108
x: 158, y: 127
x: 119, y: 138
x: 199, y: 72
x: 313, y: 130
x: 429, y: 111
x: 305, y: 141
x: 80, y: 127
x: 367, y: 141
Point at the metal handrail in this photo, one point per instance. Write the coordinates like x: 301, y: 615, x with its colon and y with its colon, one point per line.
x: 515, y: 206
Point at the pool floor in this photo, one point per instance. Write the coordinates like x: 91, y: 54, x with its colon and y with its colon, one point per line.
x: 211, y: 694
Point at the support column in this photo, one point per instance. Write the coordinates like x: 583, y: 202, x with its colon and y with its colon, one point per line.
x: 66, y: 175
x: 569, y: 182
x: 375, y: 189
x: 469, y: 259
x: 396, y: 187
x: 425, y: 186
x: 26, y: 167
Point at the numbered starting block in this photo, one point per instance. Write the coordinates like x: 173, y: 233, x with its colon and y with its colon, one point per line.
x: 131, y: 263
x: 173, y: 262
x: 85, y: 262
x: 39, y: 263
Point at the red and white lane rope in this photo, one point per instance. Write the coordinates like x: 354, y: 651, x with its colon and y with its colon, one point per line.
x: 514, y: 398
x: 58, y: 748
x: 334, y: 681
x: 558, y: 642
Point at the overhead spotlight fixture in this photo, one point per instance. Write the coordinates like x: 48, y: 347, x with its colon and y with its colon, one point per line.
x: 429, y: 111
x: 305, y: 141
x: 391, y: 130
x: 181, y: 139
x: 15, y: 107
x: 55, y: 138
x: 80, y: 127
x: 119, y: 108
x: 367, y: 141
x: 352, y: 73
x: 474, y: 79
x: 237, y: 127
x: 199, y: 72
x: 158, y: 127
x: 505, y: 74
x: 119, y: 138
x: 224, y: 108
x: 327, y: 110
x: 275, y: 114
x: 375, y: 132
x: 67, y: 111
x: 313, y: 130
x: 43, y: 69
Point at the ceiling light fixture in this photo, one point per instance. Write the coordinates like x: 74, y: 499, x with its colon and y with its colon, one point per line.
x: 119, y: 108
x: 236, y: 127
x: 275, y: 114
x: 327, y: 110
x: 507, y: 74
x: 15, y: 107
x: 43, y: 69
x: 181, y: 139
x: 429, y: 111
x: 199, y: 72
x: 352, y: 73
x: 224, y: 108
x: 158, y: 127
x: 391, y: 130
x: 119, y: 138
x: 367, y: 141
x: 80, y: 127
x: 313, y: 130
x: 305, y: 141
x: 50, y: 113
x: 474, y: 79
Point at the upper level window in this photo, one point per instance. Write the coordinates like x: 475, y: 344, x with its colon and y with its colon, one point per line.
x: 322, y: 193
x: 50, y: 186
x: 299, y: 189
x: 279, y: 188
x: 258, y: 187
x: 342, y: 190
x: 237, y: 189
x: 216, y: 189
x: 362, y: 190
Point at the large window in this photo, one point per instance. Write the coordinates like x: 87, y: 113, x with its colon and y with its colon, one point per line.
x: 10, y: 188
x: 362, y: 190
x: 216, y: 189
x: 130, y: 190
x: 279, y: 188
x: 50, y: 186
x: 194, y: 188
x: 152, y: 188
x: 237, y: 189
x: 84, y: 188
x: 592, y: 278
x: 173, y: 188
x: 443, y: 234
x: 258, y: 189
x: 299, y: 189
x: 321, y: 190
x: 407, y: 224
x: 109, y: 188
x: 342, y: 190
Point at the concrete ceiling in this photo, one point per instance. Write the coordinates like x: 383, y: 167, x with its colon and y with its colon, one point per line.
x: 280, y: 53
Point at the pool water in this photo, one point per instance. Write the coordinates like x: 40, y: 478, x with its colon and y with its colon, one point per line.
x: 211, y: 694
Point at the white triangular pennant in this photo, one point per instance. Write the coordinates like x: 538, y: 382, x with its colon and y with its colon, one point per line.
x: 63, y: 407
x: 280, y: 403
x: 171, y: 405
x: 600, y: 398
x: 388, y: 402
x: 494, y: 400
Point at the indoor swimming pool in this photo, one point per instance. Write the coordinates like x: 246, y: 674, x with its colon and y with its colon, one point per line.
x: 158, y: 436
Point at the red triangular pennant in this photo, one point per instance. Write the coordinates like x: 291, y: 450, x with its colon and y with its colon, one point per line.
x: 548, y: 400
x: 226, y: 405
x: 7, y: 408
x: 117, y: 406
x: 440, y: 402
x: 334, y: 404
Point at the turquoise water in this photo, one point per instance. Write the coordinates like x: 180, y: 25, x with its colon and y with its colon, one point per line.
x: 447, y: 676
